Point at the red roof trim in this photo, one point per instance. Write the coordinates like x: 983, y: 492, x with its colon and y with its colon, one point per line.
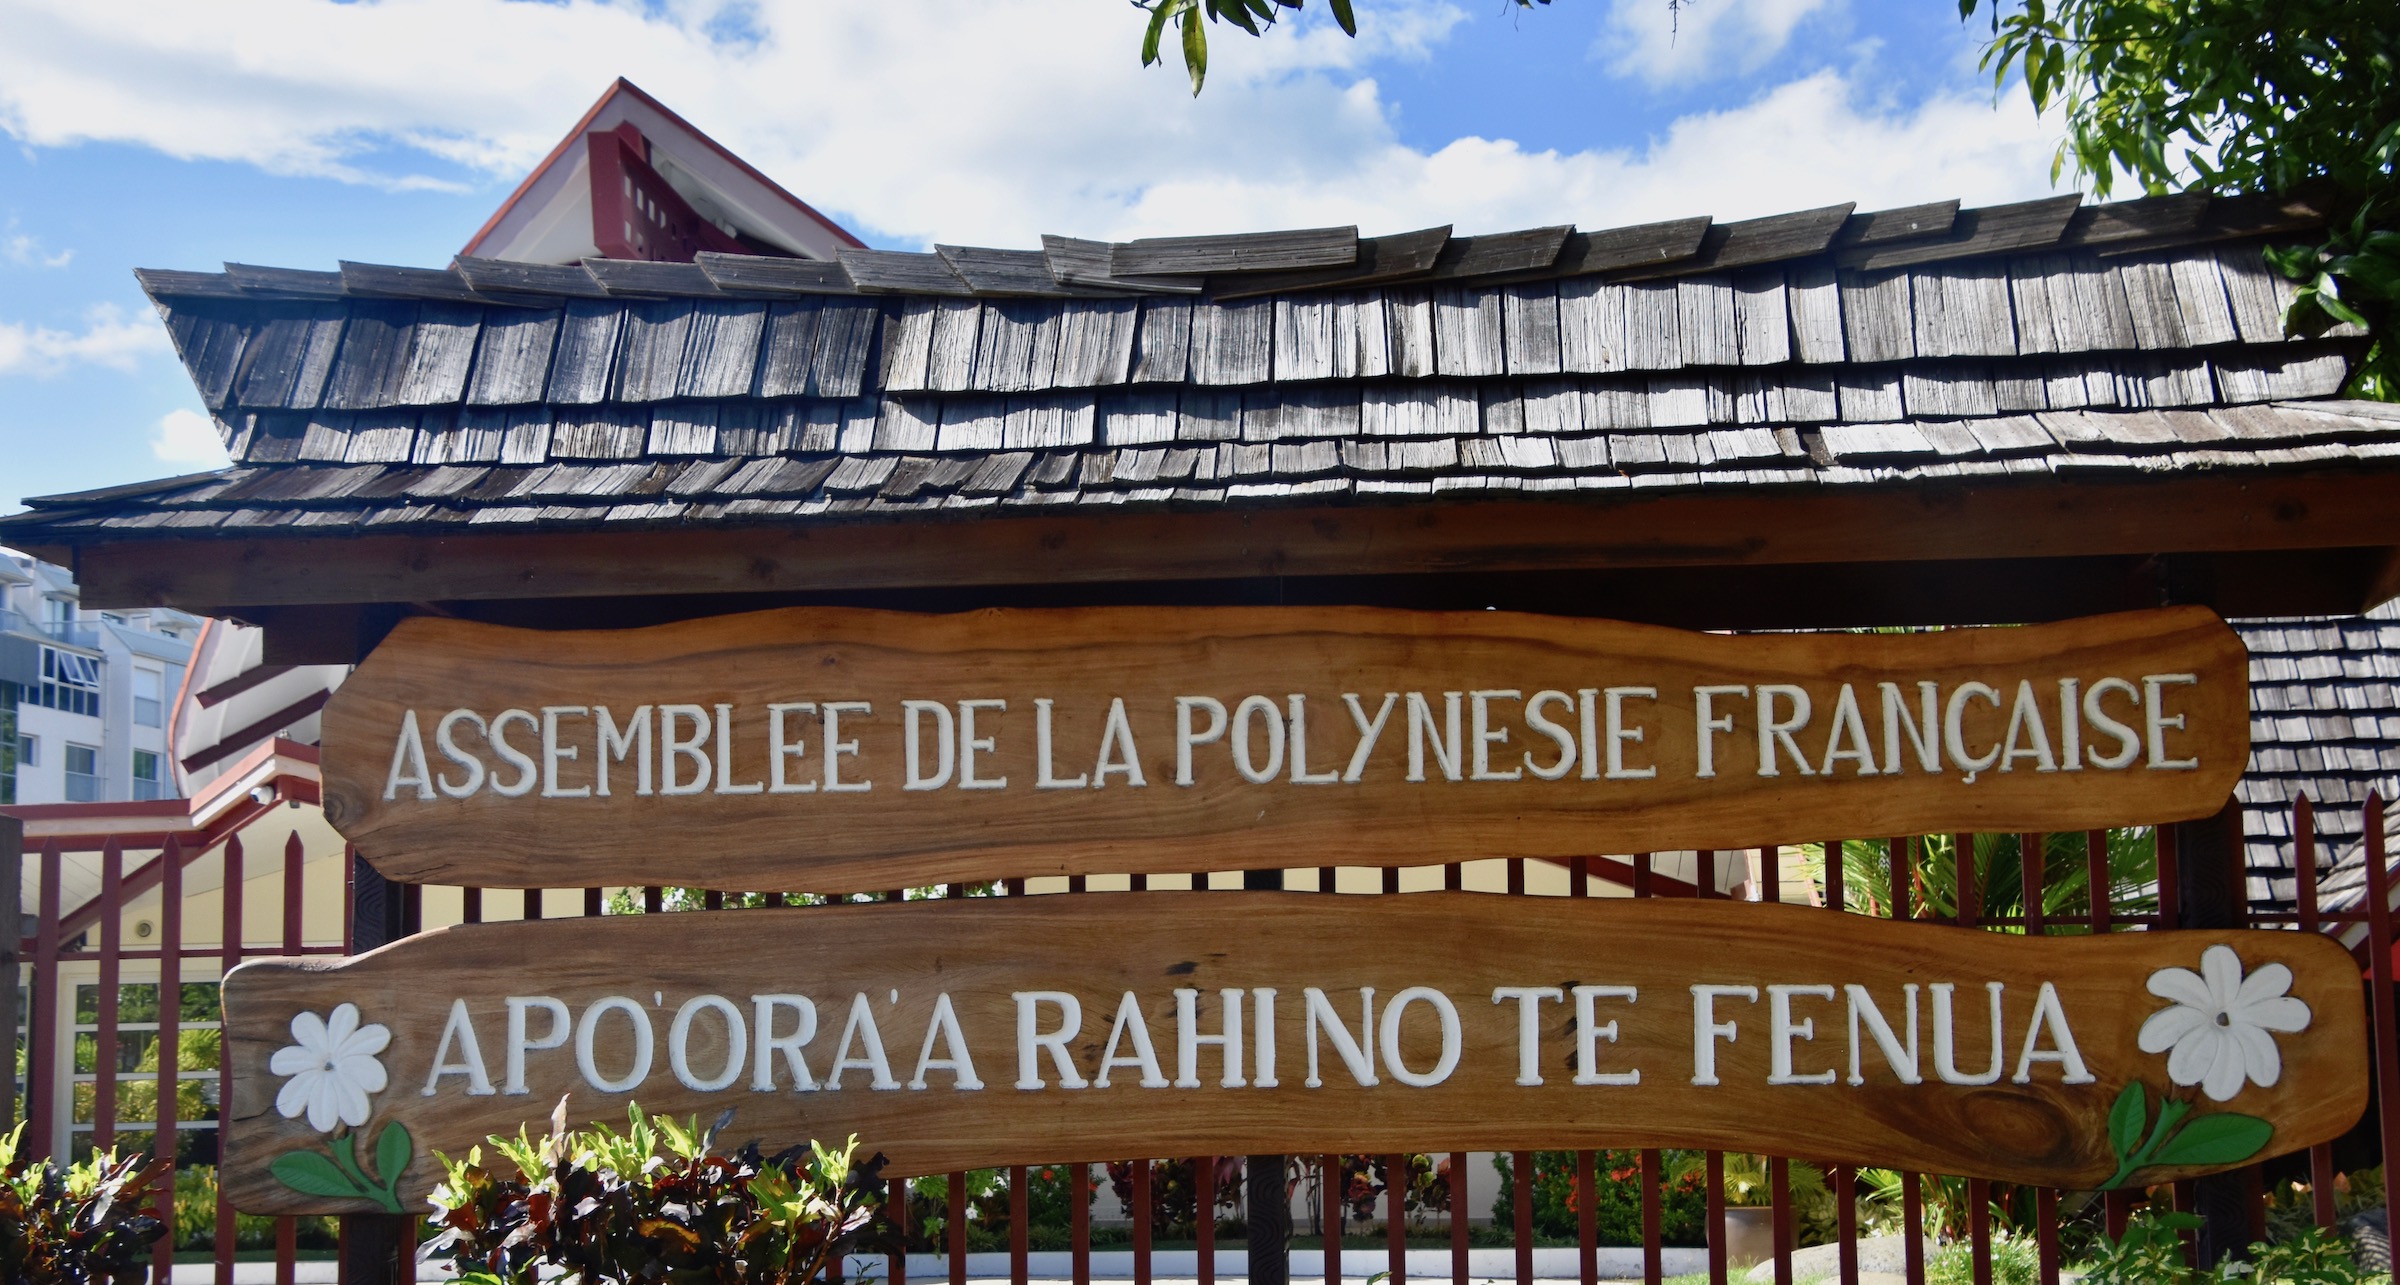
x: 624, y: 86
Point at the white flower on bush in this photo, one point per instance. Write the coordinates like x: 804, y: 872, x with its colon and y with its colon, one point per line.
x: 2218, y: 1033
x: 332, y: 1067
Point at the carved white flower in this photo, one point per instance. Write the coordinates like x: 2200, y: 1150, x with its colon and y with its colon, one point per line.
x: 332, y: 1067
x: 2218, y: 1032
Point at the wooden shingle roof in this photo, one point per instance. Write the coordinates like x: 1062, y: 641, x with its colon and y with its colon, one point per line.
x: 1823, y: 348
x: 2324, y: 722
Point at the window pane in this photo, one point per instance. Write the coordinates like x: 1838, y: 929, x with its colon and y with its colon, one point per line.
x: 84, y: 759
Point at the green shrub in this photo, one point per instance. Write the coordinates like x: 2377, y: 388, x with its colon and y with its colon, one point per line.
x: 1683, y: 1205
x: 2016, y: 1260
x: 196, y: 1218
x: 651, y: 1202
x: 2151, y: 1253
x: 83, y: 1225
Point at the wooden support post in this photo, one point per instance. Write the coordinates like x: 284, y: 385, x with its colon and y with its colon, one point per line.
x: 12, y: 930
x: 1264, y: 1199
x: 2209, y: 893
x: 376, y: 1249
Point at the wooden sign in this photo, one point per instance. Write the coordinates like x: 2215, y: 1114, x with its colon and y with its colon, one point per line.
x: 833, y: 750
x: 973, y: 1032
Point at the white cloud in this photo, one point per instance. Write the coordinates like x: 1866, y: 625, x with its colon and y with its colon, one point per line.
x: 109, y: 338
x: 187, y: 437
x: 27, y: 252
x: 974, y: 121
x: 1663, y: 43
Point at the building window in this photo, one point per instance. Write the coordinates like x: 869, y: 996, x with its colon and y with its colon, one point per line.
x: 83, y: 774
x: 70, y: 683
x: 149, y: 698
x: 145, y: 775
x: 29, y: 750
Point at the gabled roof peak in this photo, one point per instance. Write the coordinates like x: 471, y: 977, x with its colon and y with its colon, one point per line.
x: 633, y: 180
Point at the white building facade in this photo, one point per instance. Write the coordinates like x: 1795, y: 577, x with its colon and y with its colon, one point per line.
x: 85, y: 700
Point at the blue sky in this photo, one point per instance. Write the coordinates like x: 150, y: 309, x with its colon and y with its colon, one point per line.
x: 187, y: 133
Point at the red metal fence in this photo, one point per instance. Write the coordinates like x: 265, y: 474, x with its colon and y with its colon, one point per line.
x: 91, y: 1063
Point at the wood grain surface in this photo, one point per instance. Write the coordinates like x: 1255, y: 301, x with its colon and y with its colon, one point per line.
x: 899, y: 962
x: 1223, y: 738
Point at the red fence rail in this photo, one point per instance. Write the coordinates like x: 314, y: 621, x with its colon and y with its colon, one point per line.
x: 70, y: 1110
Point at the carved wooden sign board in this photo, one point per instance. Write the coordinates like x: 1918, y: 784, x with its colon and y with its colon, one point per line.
x: 833, y: 750
x: 1105, y: 1025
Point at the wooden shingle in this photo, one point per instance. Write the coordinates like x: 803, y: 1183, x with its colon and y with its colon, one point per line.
x: 1017, y: 349
x: 1095, y: 342
x: 1530, y: 328
x: 1762, y: 317
x: 512, y: 358
x: 1467, y: 332
x: 1877, y: 323
x: 1815, y: 298
x: 787, y: 349
x: 1408, y: 324
x: 585, y: 357
x: 650, y: 351
x: 1240, y: 252
x: 1233, y: 343
x: 720, y: 357
x: 1962, y: 310
x: 1162, y: 341
x: 1591, y: 323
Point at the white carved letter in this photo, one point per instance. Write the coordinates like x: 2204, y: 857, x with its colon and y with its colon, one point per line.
x: 1031, y: 1041
x: 1444, y: 1012
x: 1529, y: 1025
x: 460, y: 1029
x: 408, y: 761
x: 520, y: 1042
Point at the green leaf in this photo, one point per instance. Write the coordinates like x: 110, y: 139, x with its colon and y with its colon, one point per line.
x: 1159, y: 14
x: 309, y: 1172
x: 393, y: 1151
x: 2225, y: 1139
x: 1195, y: 48
x: 1343, y: 16
x: 2126, y: 1119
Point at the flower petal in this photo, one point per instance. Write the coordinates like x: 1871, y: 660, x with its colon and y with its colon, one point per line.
x: 324, y: 1103
x: 2261, y: 1060
x: 2223, y: 970
x: 2268, y: 982
x: 2227, y: 1074
x: 364, y: 1072
x: 339, y: 1026
x: 292, y: 1098
x: 2181, y: 985
x: 292, y: 1059
x: 2194, y: 1054
x: 2167, y: 1027
x: 2282, y: 1013
x: 352, y: 1104
x: 308, y: 1030
x: 371, y: 1039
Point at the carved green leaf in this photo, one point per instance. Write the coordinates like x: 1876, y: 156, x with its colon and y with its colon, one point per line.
x: 2126, y: 1118
x: 313, y: 1174
x: 2224, y: 1139
x: 393, y: 1151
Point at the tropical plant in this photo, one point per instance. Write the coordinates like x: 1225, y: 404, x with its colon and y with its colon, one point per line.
x: 1175, y: 1192
x: 1997, y: 866
x: 2151, y: 1252
x: 87, y: 1224
x: 1191, y: 18
x: 1617, y: 1192
x: 651, y: 1202
x: 196, y: 1218
x: 2284, y: 97
x: 2016, y: 1260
